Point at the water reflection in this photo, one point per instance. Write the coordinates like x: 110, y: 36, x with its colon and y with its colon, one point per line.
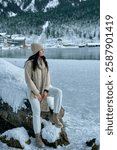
x: 55, y: 53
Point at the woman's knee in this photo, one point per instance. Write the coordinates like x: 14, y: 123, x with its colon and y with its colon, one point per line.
x: 59, y: 91
x: 55, y: 91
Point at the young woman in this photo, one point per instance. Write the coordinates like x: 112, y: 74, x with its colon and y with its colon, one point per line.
x: 38, y: 81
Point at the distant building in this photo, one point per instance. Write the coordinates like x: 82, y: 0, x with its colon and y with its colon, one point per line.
x: 2, y: 37
x: 59, y: 42
x: 8, y: 40
x: 93, y: 44
x: 17, y: 41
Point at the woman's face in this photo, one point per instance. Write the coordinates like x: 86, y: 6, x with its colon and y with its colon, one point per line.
x: 41, y: 52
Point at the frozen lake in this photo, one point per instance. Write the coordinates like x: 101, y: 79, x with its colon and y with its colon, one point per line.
x: 80, y: 83
x: 55, y: 53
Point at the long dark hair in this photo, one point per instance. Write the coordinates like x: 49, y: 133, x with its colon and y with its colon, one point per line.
x: 34, y: 59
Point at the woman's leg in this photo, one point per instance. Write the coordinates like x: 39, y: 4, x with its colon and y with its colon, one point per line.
x: 57, y: 94
x: 35, y: 105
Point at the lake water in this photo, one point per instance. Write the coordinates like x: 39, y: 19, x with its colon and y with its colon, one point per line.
x: 84, y: 53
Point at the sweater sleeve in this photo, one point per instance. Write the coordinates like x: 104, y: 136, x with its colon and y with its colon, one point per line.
x: 28, y: 79
x: 48, y: 82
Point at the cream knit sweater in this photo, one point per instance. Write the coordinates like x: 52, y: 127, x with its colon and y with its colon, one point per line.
x: 38, y: 80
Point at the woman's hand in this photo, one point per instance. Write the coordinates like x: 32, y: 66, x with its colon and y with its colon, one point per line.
x: 39, y: 97
x: 45, y: 94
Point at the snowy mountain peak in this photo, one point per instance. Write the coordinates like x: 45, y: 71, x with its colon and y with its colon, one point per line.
x: 16, y: 6
x: 51, y: 4
x: 31, y: 7
x: 21, y: 6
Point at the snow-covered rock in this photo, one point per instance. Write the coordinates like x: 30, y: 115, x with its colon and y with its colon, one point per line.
x: 50, y: 132
x: 52, y: 136
x: 17, y: 136
x: 12, y: 84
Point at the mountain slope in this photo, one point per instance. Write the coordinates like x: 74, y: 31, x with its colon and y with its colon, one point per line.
x: 66, y: 18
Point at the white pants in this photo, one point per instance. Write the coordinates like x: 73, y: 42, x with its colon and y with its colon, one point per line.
x: 56, y: 93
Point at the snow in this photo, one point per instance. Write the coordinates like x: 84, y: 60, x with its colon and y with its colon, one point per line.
x: 93, y: 44
x: 12, y: 84
x: 19, y: 38
x: 73, y: 4
x: 51, y: 4
x: 82, y: 0
x: 11, y: 14
x: 45, y: 26
x: 42, y: 36
x: 31, y: 7
x: 20, y: 3
x: 11, y: 48
x: 5, y: 4
x: 19, y: 134
x: 3, y: 34
x: 79, y: 81
x: 50, y: 132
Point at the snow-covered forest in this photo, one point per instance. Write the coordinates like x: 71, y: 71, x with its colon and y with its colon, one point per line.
x: 75, y: 18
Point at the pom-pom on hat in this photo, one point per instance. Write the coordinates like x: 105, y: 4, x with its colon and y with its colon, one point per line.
x: 36, y: 47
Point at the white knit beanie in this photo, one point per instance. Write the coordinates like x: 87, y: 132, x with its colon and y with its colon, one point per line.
x: 36, y: 47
